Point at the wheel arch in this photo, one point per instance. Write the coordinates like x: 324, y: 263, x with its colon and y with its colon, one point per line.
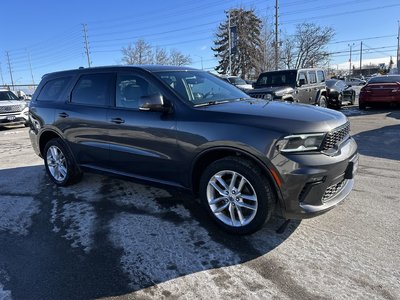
x: 208, y: 156
x: 45, y: 137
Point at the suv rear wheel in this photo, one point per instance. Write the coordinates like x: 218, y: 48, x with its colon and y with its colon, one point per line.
x: 59, y: 163
x: 237, y: 195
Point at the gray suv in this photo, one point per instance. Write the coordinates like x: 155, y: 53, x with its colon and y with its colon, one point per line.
x: 185, y: 128
x: 302, y: 85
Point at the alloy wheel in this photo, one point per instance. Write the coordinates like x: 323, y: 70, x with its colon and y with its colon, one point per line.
x: 232, y: 198
x: 56, y: 163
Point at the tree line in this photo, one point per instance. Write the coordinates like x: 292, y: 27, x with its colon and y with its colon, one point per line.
x: 254, y: 47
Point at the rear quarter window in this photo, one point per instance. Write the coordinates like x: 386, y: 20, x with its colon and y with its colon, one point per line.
x: 321, y: 76
x: 53, y: 89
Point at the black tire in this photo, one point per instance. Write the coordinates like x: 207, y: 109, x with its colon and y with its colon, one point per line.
x: 353, y: 98
x: 72, y: 172
x: 256, y: 184
x: 362, y: 106
x: 322, y: 101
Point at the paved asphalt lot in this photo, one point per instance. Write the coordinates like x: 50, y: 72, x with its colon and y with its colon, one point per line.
x: 107, y: 237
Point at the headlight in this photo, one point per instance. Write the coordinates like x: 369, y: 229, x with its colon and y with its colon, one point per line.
x: 301, y: 142
x: 268, y: 97
x: 283, y: 92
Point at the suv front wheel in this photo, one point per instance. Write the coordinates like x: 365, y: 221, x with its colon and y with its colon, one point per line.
x: 322, y: 101
x: 59, y: 163
x: 237, y: 195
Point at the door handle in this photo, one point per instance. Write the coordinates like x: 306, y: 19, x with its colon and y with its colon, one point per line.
x: 63, y: 115
x: 117, y: 120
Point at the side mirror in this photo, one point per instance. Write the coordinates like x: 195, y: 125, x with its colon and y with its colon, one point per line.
x: 301, y: 82
x: 21, y: 98
x: 349, y: 85
x: 154, y: 103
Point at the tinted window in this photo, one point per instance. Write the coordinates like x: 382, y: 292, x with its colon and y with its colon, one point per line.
x: 302, y: 76
x: 53, y: 89
x: 130, y: 89
x: 92, y: 89
x: 6, y: 95
x: 312, y: 77
x: 199, y: 87
x: 320, y: 76
x: 384, y: 79
x: 277, y: 78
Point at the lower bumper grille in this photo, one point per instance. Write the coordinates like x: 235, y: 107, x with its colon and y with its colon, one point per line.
x: 333, y: 190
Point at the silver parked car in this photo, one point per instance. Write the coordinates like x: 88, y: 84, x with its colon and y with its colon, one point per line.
x: 12, y: 109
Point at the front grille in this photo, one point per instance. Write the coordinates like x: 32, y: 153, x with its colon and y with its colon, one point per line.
x: 258, y: 95
x: 335, y: 136
x: 11, y: 108
x: 333, y: 190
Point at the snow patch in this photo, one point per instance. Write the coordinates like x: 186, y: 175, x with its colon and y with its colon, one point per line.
x: 155, y: 250
x: 16, y: 214
x: 77, y: 222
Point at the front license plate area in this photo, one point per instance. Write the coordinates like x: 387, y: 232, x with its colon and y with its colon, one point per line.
x: 10, y: 118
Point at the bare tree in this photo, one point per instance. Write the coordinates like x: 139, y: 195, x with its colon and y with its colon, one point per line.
x: 246, y: 59
x: 140, y: 53
x: 267, y: 48
x: 307, y: 48
x: 161, y: 56
x: 177, y: 58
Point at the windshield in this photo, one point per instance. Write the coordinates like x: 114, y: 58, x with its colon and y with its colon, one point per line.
x: 237, y: 81
x: 277, y: 78
x: 384, y: 79
x: 330, y: 83
x: 7, y: 95
x: 198, y: 87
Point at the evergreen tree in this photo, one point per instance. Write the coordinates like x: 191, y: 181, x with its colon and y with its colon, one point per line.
x: 248, y: 57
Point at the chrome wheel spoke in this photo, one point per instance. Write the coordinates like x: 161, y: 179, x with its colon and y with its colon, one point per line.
x: 233, y: 181
x: 249, y: 197
x: 222, y: 182
x: 218, y: 189
x: 63, y: 171
x: 54, y: 153
x: 232, y: 214
x: 216, y: 200
x: 245, y: 205
x: 241, y: 184
x: 240, y: 214
x: 221, y: 208
x: 56, y: 163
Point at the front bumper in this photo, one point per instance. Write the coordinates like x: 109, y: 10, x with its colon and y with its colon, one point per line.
x: 14, y: 118
x: 315, y: 183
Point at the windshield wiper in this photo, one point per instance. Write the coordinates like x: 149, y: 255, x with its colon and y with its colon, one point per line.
x: 211, y: 103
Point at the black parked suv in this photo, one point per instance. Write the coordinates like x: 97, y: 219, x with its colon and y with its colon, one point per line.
x: 302, y: 85
x: 185, y: 128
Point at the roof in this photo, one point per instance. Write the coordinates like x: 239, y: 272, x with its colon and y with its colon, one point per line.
x: 149, y: 68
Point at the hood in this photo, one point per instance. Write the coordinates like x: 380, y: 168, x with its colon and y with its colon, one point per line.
x: 288, y: 118
x: 245, y: 86
x: 269, y: 89
x: 11, y: 102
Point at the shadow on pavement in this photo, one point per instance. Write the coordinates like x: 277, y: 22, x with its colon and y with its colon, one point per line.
x: 106, y: 237
x: 383, y: 142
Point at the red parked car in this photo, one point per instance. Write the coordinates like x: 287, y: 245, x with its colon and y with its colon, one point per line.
x: 380, y: 90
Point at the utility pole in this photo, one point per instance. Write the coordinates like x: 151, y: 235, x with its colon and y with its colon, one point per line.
x: 86, y: 43
x: 361, y: 59
x: 9, y: 68
x: 276, y: 36
x: 398, y: 47
x: 229, y: 42
x: 30, y: 66
x: 351, y: 45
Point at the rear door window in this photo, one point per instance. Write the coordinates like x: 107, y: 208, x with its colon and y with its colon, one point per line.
x: 321, y: 76
x: 53, y: 89
x: 312, y: 77
x: 303, y: 76
x: 93, y: 89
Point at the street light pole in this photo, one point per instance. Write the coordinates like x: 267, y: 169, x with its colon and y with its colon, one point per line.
x: 398, y: 47
x: 350, y: 45
x: 230, y: 45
